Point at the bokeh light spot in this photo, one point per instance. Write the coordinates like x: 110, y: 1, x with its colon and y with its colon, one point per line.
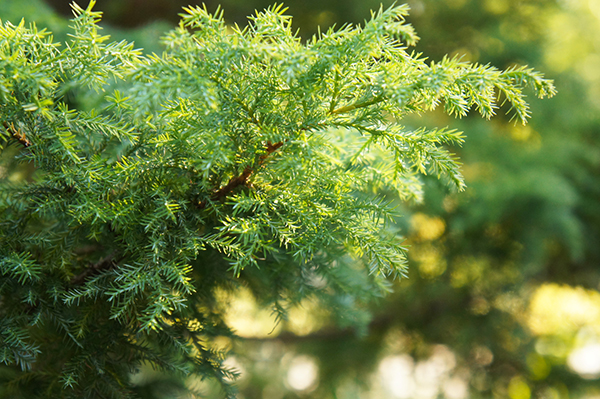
x: 518, y: 389
x: 303, y: 373
x: 396, y: 375
x: 585, y: 361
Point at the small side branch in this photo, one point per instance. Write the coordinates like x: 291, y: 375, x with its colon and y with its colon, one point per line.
x: 103, y: 264
x: 354, y: 106
x: 16, y: 133
x: 233, y: 183
x: 242, y: 179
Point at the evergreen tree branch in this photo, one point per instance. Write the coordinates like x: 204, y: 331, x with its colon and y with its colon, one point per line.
x: 242, y: 178
x: 198, y: 123
x: 105, y: 263
x: 357, y: 105
x: 16, y: 133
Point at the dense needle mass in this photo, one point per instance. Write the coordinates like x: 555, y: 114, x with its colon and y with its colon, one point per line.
x: 236, y: 157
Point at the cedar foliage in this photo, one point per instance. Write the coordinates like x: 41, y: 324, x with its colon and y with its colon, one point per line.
x: 239, y: 156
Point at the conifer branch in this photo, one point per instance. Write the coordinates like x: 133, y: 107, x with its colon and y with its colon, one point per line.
x: 214, y: 90
x: 16, y: 133
x: 357, y: 105
x: 242, y: 178
x: 103, y: 264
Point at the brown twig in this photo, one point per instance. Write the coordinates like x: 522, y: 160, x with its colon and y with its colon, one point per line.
x: 242, y: 178
x: 16, y: 133
x: 103, y: 264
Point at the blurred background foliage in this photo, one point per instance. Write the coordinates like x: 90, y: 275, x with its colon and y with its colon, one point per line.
x: 502, y: 298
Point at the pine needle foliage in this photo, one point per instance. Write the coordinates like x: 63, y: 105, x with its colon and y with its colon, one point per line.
x: 239, y: 156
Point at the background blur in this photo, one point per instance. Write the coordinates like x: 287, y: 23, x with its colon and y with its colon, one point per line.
x: 502, y: 299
